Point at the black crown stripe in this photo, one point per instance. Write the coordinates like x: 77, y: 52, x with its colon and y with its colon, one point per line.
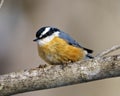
x: 50, y: 32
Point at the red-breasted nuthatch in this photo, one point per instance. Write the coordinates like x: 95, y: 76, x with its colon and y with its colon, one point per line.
x: 57, y: 47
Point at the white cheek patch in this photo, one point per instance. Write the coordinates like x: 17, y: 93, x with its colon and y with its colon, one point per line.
x: 47, y: 39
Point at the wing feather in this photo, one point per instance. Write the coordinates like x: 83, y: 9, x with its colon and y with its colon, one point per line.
x: 71, y: 41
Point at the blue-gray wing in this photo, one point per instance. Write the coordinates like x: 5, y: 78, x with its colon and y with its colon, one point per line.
x: 71, y: 41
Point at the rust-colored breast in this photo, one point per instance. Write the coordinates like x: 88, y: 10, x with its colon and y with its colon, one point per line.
x: 59, y: 51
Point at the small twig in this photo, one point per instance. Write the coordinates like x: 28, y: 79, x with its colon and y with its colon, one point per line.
x: 107, y: 51
x: 1, y: 3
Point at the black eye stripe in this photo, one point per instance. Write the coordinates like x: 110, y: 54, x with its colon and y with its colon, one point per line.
x: 55, y: 29
x: 50, y: 32
x: 39, y: 32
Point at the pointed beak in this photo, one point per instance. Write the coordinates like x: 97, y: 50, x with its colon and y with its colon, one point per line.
x: 35, y: 39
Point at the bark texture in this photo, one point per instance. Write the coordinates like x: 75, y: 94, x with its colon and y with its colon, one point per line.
x: 61, y: 75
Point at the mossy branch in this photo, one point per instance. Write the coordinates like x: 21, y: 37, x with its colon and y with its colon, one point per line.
x: 61, y: 75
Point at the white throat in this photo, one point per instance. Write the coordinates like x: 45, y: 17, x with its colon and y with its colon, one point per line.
x: 47, y: 39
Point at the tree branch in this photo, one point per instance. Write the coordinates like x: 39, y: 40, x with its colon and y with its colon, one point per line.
x: 107, y: 51
x: 61, y: 75
x: 1, y: 3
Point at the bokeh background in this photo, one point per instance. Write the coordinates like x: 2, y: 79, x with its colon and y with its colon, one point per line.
x: 93, y: 23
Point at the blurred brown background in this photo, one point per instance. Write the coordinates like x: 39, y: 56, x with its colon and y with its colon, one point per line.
x: 93, y: 23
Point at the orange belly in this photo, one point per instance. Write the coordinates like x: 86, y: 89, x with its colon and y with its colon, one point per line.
x: 59, y: 51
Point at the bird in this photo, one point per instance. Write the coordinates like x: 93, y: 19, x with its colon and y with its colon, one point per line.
x: 57, y: 47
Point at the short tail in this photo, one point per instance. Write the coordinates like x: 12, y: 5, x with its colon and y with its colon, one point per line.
x: 89, y: 56
x: 88, y: 50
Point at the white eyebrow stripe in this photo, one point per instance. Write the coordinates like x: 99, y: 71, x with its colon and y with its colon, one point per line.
x: 44, y: 32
